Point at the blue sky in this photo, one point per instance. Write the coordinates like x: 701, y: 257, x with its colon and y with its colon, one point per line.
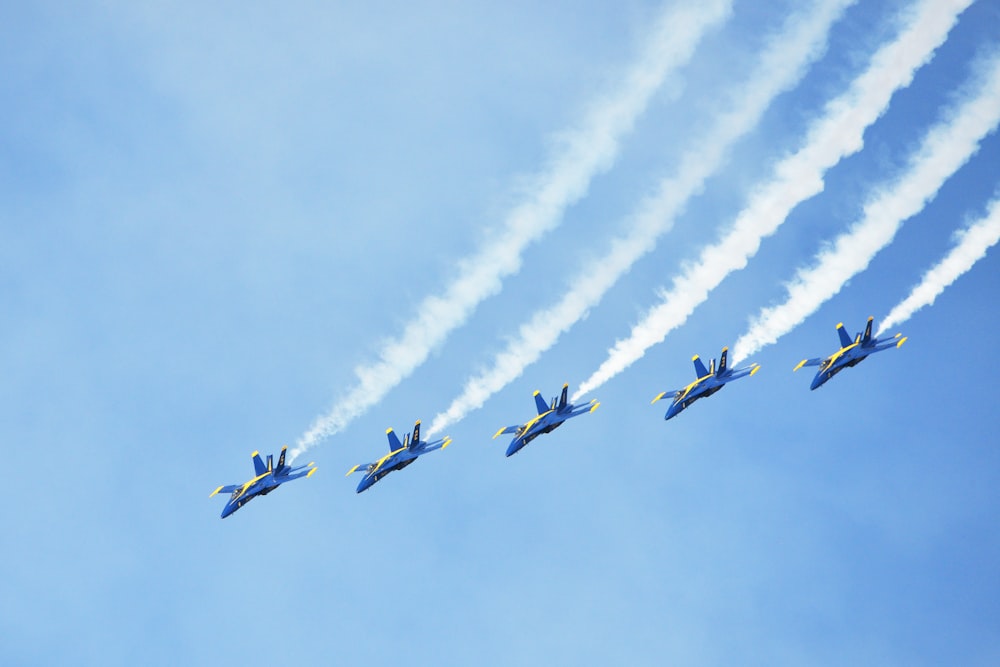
x: 212, y: 217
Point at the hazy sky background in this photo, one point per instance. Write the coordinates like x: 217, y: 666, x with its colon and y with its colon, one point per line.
x: 210, y: 217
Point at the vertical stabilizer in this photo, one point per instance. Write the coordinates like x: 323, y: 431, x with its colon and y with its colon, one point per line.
x: 270, y: 462
x: 722, y: 361
x: 845, y: 338
x: 281, y: 459
x: 699, y: 367
x: 258, y: 464
x: 540, y: 403
x: 565, y: 396
x: 416, y: 433
x: 868, y: 332
x: 394, y: 442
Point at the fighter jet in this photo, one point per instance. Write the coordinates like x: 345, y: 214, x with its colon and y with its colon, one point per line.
x: 709, y: 381
x: 850, y: 353
x: 267, y: 479
x: 401, y: 454
x: 550, y: 417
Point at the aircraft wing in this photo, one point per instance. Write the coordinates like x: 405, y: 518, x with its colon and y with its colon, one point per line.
x: 816, y: 361
x: 666, y: 394
x: 360, y: 466
x: 507, y: 429
x: 229, y: 488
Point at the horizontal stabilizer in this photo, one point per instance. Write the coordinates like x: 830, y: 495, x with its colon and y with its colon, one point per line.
x: 540, y: 403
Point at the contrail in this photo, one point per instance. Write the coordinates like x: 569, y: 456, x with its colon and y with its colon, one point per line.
x: 785, y: 59
x: 971, y: 246
x: 946, y: 147
x: 838, y: 133
x: 589, y: 149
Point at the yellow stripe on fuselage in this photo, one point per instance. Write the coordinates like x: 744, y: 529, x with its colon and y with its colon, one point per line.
x: 535, y: 420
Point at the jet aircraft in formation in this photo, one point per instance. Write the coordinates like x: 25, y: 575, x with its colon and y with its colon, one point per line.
x: 401, y: 454
x: 549, y: 418
x: 851, y: 353
x: 709, y: 381
x: 552, y: 415
x: 267, y: 479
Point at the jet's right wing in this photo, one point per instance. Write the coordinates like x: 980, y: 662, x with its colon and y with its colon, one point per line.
x: 229, y: 488
x: 816, y: 361
x: 507, y: 429
x: 666, y: 394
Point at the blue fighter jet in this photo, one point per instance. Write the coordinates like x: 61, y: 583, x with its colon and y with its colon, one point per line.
x: 549, y: 418
x: 851, y: 353
x: 267, y: 479
x: 709, y: 381
x: 401, y: 454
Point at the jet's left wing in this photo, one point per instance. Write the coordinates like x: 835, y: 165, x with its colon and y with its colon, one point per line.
x: 360, y: 466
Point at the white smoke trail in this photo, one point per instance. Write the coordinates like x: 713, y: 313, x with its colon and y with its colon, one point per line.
x: 588, y: 150
x: 836, y: 135
x: 782, y: 64
x: 945, y: 148
x: 972, y: 244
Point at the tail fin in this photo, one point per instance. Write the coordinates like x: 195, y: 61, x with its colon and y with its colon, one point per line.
x: 258, y: 464
x: 540, y: 403
x: 722, y: 362
x: 868, y: 332
x: 270, y: 462
x: 281, y: 459
x: 416, y: 433
x: 699, y: 367
x: 565, y: 396
x: 845, y: 339
x: 394, y: 442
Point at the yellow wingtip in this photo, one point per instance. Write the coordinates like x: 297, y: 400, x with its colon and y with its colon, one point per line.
x: 901, y: 341
x: 596, y: 405
x: 309, y: 474
x: 352, y: 470
x: 755, y: 369
x: 215, y: 492
x: 800, y: 365
x: 495, y: 435
x: 657, y: 397
x: 447, y: 441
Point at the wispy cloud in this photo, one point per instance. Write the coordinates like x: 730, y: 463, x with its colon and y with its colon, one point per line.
x: 837, y: 134
x: 972, y: 244
x: 781, y: 65
x: 945, y: 148
x: 585, y: 151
